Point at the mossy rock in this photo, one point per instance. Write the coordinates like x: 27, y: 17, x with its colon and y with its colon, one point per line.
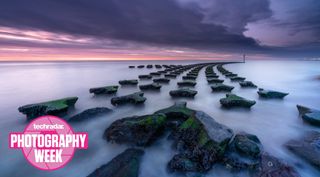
x: 247, y: 84
x: 155, y: 74
x: 161, y: 80
x: 153, y: 86
x: 233, y: 100
x: 104, y: 90
x: 231, y: 75
x: 189, y: 78
x: 173, y: 76
x: 178, y: 111
x: 271, y: 94
x: 126, y: 164
x: 237, y: 78
x: 140, y: 131
x: 128, y: 82
x: 210, y: 76
x: 214, y: 80
x: 183, y: 92
x: 89, y: 114
x: 53, y: 107
x: 145, y: 76
x: 187, y: 83
x: 221, y: 88
x: 135, y: 98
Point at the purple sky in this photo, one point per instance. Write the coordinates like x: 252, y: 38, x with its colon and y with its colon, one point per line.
x: 153, y: 29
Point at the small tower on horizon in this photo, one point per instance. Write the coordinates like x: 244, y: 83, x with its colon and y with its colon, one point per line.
x: 244, y: 58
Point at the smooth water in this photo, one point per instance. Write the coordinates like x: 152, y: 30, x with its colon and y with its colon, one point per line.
x: 273, y: 121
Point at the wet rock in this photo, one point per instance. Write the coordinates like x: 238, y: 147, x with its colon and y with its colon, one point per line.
x: 233, y: 100
x: 104, y: 90
x: 189, y: 78
x: 231, y: 75
x: 153, y: 86
x: 155, y: 74
x: 178, y: 112
x: 307, y: 147
x: 90, y: 113
x: 212, y: 76
x: 170, y: 76
x: 183, y: 92
x: 146, y: 76
x: 247, y: 84
x: 221, y: 87
x: 53, y: 107
x: 271, y: 94
x: 136, y: 130
x: 187, y: 83
x: 161, y: 80
x: 312, y: 116
x: 131, y: 66
x: 135, y: 98
x: 149, y: 66
x: 158, y: 66
x: 140, y: 66
x: 214, y: 80
x: 270, y: 166
x: 126, y: 164
x: 237, y: 78
x: 128, y: 82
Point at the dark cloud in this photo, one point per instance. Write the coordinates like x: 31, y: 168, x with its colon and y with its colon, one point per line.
x: 159, y: 22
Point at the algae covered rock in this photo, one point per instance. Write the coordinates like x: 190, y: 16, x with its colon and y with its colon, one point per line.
x: 53, y: 107
x: 183, y: 92
x: 128, y: 82
x: 153, y: 86
x: 145, y: 76
x: 135, y: 98
x: 189, y: 77
x: 214, y: 80
x: 312, y: 116
x: 233, y: 100
x: 307, y: 147
x: 161, y: 80
x: 126, y: 164
x: 155, y: 74
x: 187, y: 83
x: 237, y: 78
x: 170, y: 76
x: 90, y: 113
x: 221, y: 87
x: 270, y: 166
x: 140, y: 131
x: 248, y: 84
x: 212, y: 76
x: 104, y: 90
x: 271, y: 94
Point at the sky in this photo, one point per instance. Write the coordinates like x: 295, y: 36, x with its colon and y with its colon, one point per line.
x: 159, y: 29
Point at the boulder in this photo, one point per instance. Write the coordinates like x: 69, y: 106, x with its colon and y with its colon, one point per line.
x: 136, y: 130
x: 187, y: 83
x: 128, y: 82
x: 247, y: 84
x: 183, y: 92
x: 54, y: 107
x: 189, y: 78
x: 126, y: 164
x: 90, y: 113
x: 221, y: 87
x: 237, y: 78
x: 104, y: 90
x: 135, y: 98
x: 233, y: 100
x: 271, y: 94
x: 312, y: 116
x: 270, y: 166
x: 153, y: 86
x: 178, y: 112
x: 214, y: 80
x: 161, y: 80
x: 307, y: 147
x: 145, y: 76
x: 140, y: 66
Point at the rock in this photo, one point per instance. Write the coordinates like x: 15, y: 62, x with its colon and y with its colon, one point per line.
x: 153, y: 86
x: 135, y: 98
x: 187, y: 83
x: 183, y: 92
x: 214, y: 80
x: 307, y: 147
x: 221, y: 87
x: 104, y: 90
x: 237, y: 78
x: 146, y: 76
x: 149, y: 66
x: 231, y: 75
x: 201, y: 142
x: 312, y: 116
x: 161, y: 80
x: 53, y: 107
x: 140, y: 66
x: 126, y: 164
x: 209, y: 76
x: 155, y: 74
x: 189, y: 78
x: 131, y: 66
x: 233, y: 100
x: 243, y: 152
x: 271, y: 94
x: 158, y: 66
x: 170, y: 76
x: 128, y: 82
x: 247, y: 84
x: 270, y: 166
x: 90, y: 113
x: 140, y: 131
x: 177, y: 112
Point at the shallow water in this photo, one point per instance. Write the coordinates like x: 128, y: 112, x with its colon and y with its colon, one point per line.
x: 273, y: 121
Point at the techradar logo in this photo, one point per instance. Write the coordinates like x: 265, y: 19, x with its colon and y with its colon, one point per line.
x: 48, y: 142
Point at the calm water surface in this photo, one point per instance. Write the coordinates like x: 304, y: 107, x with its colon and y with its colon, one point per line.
x: 273, y: 121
